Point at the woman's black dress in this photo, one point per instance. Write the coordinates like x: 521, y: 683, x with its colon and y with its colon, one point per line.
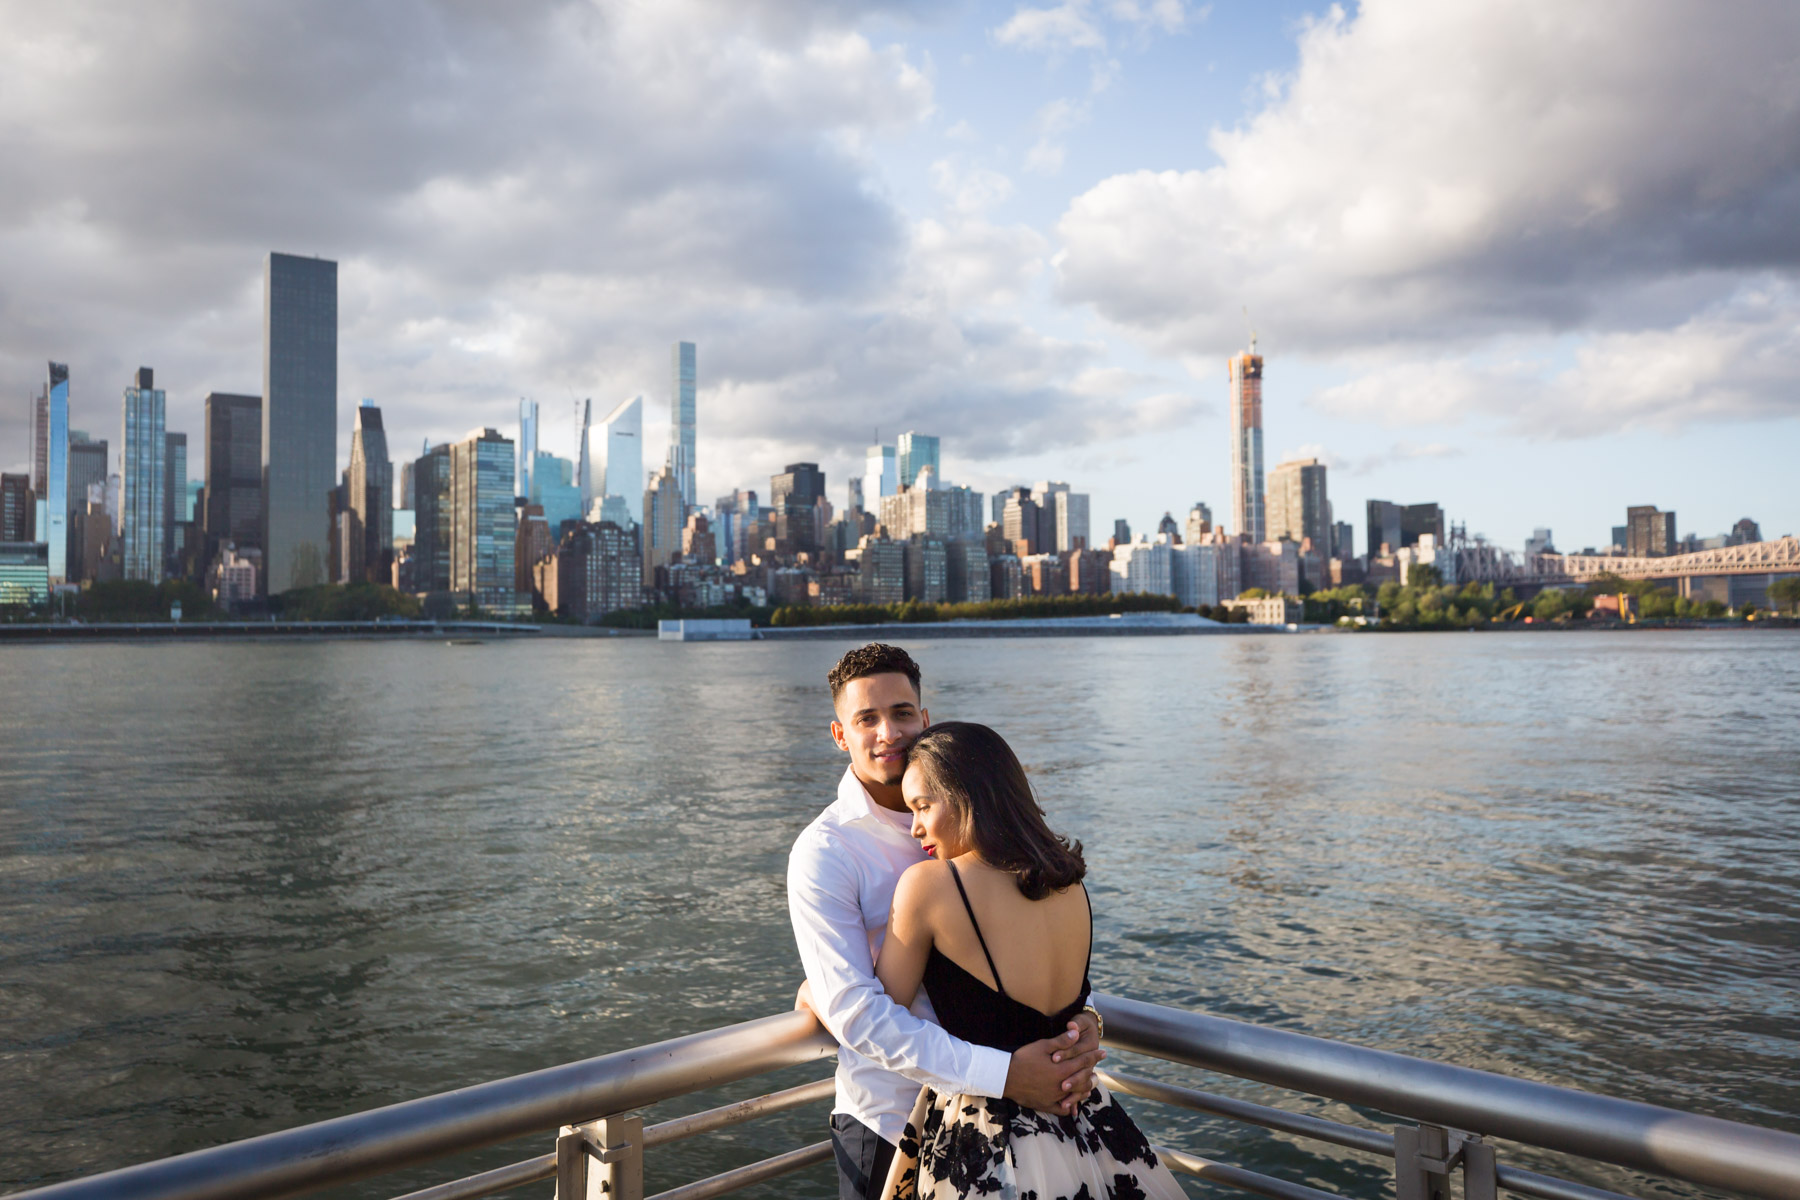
x: 959, y: 1145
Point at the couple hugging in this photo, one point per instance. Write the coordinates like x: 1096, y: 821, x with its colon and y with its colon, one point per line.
x: 946, y: 938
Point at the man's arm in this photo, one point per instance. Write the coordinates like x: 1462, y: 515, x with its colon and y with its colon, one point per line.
x: 850, y: 1002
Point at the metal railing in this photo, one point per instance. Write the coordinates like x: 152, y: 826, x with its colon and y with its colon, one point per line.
x: 1449, y: 1114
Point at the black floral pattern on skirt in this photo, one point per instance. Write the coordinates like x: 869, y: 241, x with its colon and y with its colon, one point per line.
x: 956, y: 1146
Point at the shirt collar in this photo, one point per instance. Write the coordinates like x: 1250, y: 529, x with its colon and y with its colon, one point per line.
x: 854, y: 804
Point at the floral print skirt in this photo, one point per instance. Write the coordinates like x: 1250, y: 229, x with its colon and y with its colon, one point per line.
x: 958, y: 1145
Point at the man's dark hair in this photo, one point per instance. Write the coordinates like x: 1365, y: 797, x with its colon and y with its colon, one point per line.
x: 876, y: 658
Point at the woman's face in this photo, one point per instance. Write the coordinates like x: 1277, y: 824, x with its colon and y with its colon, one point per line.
x: 933, y: 821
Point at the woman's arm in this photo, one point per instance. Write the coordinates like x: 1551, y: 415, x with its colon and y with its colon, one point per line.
x: 901, y: 966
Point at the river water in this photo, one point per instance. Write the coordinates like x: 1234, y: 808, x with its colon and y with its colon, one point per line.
x: 248, y: 886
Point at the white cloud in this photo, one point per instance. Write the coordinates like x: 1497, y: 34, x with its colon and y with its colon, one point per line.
x: 1054, y: 31
x: 967, y: 264
x: 1169, y: 16
x: 527, y: 199
x: 1054, y: 121
x: 1401, y: 451
x: 1446, y: 174
x: 1736, y: 360
x: 968, y: 188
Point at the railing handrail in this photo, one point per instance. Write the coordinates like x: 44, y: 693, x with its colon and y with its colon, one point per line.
x: 348, y: 1148
x: 1752, y: 1159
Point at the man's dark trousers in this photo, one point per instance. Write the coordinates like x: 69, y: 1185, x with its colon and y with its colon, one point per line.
x: 863, y: 1158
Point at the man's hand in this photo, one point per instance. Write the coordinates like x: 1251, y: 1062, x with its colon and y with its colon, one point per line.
x: 1056, y: 1074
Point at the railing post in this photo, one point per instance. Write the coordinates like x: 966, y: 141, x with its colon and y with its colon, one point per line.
x: 602, y: 1160
x: 571, y: 1163
x: 1480, y: 1179
x: 1424, y: 1156
x: 621, y: 1143
x: 1422, y: 1159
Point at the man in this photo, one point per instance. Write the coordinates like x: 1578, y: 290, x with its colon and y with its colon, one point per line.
x: 841, y: 877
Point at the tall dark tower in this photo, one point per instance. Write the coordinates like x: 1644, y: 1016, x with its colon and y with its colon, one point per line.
x: 299, y: 428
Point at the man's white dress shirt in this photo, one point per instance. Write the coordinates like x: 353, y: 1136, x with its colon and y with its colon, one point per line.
x: 841, y: 877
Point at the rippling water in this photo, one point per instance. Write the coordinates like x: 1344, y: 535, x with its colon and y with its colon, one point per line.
x: 247, y: 886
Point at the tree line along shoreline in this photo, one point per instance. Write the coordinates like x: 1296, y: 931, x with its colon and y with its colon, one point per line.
x: 1424, y: 602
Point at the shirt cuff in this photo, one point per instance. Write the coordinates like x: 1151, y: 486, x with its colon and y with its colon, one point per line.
x: 987, y: 1071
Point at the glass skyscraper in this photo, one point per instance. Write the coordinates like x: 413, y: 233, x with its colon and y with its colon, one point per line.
x: 431, y: 520
x: 144, y: 473
x: 528, y: 440
x: 915, y: 452
x: 233, y: 471
x: 371, y: 477
x: 175, y: 473
x: 681, y: 422
x: 482, y: 527
x: 617, y: 455
x: 299, y: 434
x: 553, y: 488
x: 880, y: 477
x: 53, y: 499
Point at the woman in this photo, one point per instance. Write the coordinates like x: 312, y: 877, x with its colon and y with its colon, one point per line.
x: 998, y: 929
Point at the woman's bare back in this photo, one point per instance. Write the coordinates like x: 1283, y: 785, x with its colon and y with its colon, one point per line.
x: 1040, y: 947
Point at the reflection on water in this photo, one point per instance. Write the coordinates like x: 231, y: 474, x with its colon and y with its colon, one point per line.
x: 247, y: 886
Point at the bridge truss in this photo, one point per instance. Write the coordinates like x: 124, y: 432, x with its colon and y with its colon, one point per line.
x: 1481, y: 562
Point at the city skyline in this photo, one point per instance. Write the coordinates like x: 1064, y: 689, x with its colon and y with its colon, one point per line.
x: 950, y: 274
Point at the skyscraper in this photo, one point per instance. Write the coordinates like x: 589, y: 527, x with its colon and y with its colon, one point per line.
x: 143, y: 463
x: 40, y: 438
x: 553, y: 489
x: 661, y: 532
x: 528, y: 439
x: 616, y: 450
x: 88, y: 465
x: 15, y: 508
x: 794, y: 497
x: 881, y: 476
x: 174, y: 505
x: 1245, y: 372
x: 299, y: 434
x: 53, y: 495
x: 482, y: 527
x: 1649, y: 533
x: 233, y: 472
x: 681, y: 420
x: 1071, y: 516
x: 370, y: 555
x: 432, y: 520
x: 1298, y: 505
x: 913, y: 453
x: 584, y: 463
x: 1401, y: 525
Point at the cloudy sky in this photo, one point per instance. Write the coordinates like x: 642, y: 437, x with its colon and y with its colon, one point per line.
x: 1533, y: 260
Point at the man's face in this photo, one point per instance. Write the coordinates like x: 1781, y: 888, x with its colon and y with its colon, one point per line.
x: 878, y: 716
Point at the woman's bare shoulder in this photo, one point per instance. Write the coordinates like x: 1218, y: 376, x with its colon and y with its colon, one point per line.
x: 917, y: 893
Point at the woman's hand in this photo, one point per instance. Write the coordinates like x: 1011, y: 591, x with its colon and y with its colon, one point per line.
x: 803, y: 998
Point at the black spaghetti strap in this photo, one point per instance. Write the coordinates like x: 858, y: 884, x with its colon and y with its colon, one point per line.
x: 1090, y: 957
x: 970, y: 909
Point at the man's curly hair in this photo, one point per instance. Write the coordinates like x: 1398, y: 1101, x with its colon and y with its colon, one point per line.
x: 876, y: 658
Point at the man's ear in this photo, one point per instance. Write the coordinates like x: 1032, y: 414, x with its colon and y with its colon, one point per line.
x: 837, y: 735
x: 925, y: 717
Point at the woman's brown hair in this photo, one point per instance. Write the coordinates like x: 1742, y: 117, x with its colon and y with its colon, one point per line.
x: 973, y: 770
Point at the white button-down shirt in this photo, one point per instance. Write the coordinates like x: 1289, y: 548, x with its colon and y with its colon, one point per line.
x: 841, y: 877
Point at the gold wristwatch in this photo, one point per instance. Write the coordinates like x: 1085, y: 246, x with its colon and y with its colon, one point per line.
x: 1099, y: 1021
